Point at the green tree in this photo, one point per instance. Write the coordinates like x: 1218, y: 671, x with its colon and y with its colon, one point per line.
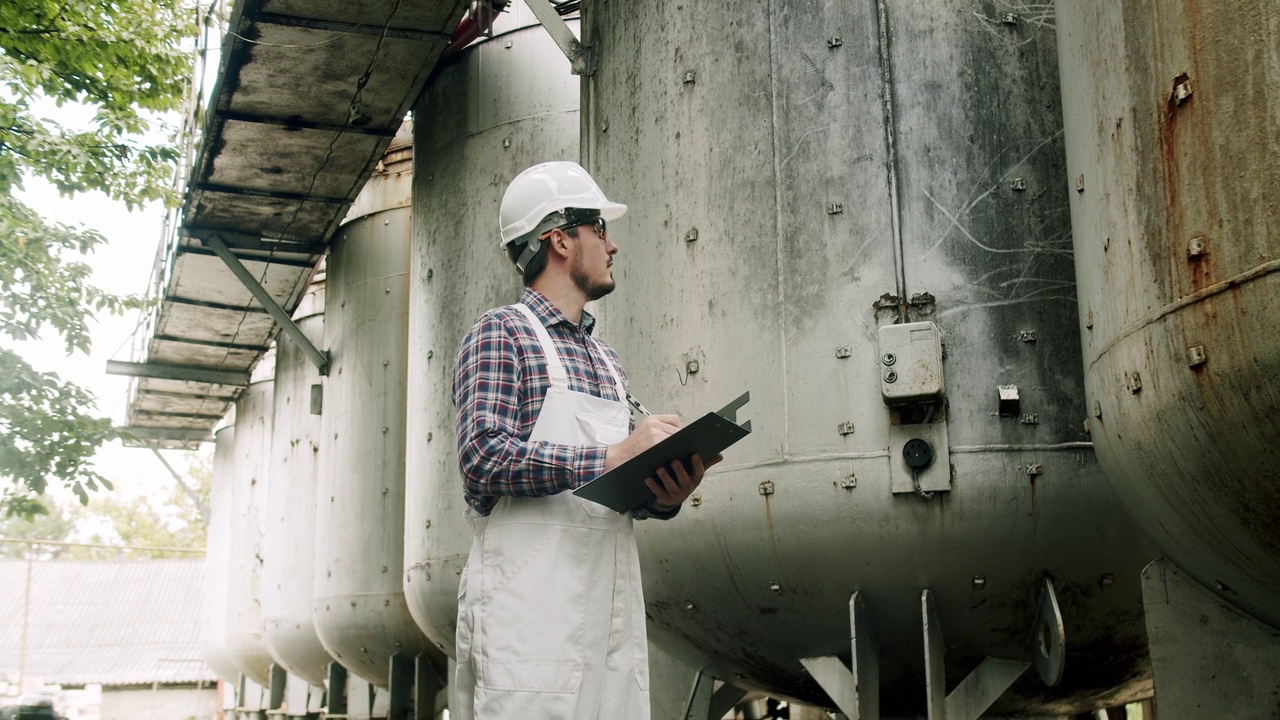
x: 125, y: 60
x: 174, y: 521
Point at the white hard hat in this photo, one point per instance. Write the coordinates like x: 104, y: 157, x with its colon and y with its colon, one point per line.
x: 547, y: 189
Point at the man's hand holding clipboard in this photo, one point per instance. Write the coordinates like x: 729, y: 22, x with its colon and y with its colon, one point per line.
x: 628, y: 485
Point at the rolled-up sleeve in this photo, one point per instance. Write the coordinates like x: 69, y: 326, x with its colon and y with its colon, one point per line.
x: 494, y: 454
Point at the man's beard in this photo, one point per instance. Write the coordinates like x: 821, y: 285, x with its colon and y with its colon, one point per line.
x: 593, y: 291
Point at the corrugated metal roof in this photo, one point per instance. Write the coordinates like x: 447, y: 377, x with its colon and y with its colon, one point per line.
x: 114, y: 622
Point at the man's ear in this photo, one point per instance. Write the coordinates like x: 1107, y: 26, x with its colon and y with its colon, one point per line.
x: 559, y: 242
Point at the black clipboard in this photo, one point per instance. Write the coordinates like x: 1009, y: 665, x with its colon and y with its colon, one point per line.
x: 623, y: 489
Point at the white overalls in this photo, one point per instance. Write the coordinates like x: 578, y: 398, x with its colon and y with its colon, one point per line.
x: 550, y: 607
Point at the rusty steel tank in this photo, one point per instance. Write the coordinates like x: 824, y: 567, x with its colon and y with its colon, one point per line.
x: 519, y: 106
x: 250, y: 479
x: 288, y: 567
x: 359, y: 606
x: 859, y: 213
x: 214, y: 647
x: 1173, y: 135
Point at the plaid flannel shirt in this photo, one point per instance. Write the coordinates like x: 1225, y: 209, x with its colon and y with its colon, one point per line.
x: 499, y: 383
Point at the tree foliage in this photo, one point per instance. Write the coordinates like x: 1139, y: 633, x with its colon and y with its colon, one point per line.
x: 127, y: 61
x: 171, y: 521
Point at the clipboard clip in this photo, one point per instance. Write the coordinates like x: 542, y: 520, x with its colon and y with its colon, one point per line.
x: 730, y: 412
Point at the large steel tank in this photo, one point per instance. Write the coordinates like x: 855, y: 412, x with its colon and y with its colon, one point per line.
x: 1173, y: 135
x: 213, y: 599
x: 498, y: 107
x: 800, y: 176
x: 246, y: 636
x: 288, y: 569
x: 359, y: 611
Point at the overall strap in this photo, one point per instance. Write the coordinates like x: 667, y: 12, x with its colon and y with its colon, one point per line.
x: 613, y: 372
x: 555, y: 369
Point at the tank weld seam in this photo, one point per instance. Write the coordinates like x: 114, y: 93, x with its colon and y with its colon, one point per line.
x: 800, y: 459
x: 1217, y: 288
x: 1020, y: 447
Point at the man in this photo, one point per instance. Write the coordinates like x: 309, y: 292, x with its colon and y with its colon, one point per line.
x: 550, y: 608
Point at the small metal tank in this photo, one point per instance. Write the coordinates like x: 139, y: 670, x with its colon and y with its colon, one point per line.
x: 288, y: 568
x: 246, y: 638
x: 500, y: 106
x: 800, y: 177
x: 359, y: 611
x: 1173, y: 135
x: 213, y: 599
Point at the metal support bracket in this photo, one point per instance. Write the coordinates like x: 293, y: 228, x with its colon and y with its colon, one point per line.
x: 856, y: 693
x: 1048, y: 645
x: 319, y: 357
x: 978, y: 691
x: 706, y: 703
x: 581, y: 58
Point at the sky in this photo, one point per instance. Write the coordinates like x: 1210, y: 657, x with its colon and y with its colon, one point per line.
x: 122, y: 265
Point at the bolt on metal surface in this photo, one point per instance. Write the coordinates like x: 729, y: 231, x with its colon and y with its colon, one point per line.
x: 1030, y: 419
x: 979, y: 582
x: 695, y: 500
x: 1018, y: 184
x: 1009, y: 19
x: 888, y: 358
x: 1107, y: 580
x: 845, y: 428
x: 1196, y: 356
x: 766, y: 487
x: 690, y: 76
x: 1080, y: 183
x: 1035, y: 469
x: 1196, y: 247
x: 835, y: 41
x: 1027, y: 336
x: 891, y: 376
x: 691, y: 367
x: 835, y: 208
x: 691, y: 236
x: 1181, y: 89
x: 844, y: 351
x: 775, y: 586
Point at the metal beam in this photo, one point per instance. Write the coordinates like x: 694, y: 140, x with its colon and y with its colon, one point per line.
x: 272, y: 194
x: 856, y: 693
x: 215, y: 305
x: 579, y: 55
x: 978, y: 691
x: 344, y: 28
x: 285, y: 262
x: 248, y: 241
x: 213, y: 343
x: 189, y: 373
x: 185, y: 435
x: 292, y: 123
x: 319, y: 357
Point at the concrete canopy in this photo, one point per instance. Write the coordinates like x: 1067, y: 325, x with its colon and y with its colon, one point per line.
x: 309, y: 96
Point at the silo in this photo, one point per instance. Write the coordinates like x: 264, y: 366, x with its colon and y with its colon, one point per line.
x: 858, y: 213
x: 501, y: 105
x: 1173, y: 134
x: 359, y: 607
x: 289, y: 565
x: 246, y: 637
x: 213, y: 601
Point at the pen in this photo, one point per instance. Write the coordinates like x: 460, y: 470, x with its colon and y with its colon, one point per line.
x: 633, y: 402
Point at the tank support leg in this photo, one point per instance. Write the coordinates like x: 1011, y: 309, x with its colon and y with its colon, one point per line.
x: 1208, y: 658
x: 707, y: 703
x: 856, y: 693
x: 976, y: 692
